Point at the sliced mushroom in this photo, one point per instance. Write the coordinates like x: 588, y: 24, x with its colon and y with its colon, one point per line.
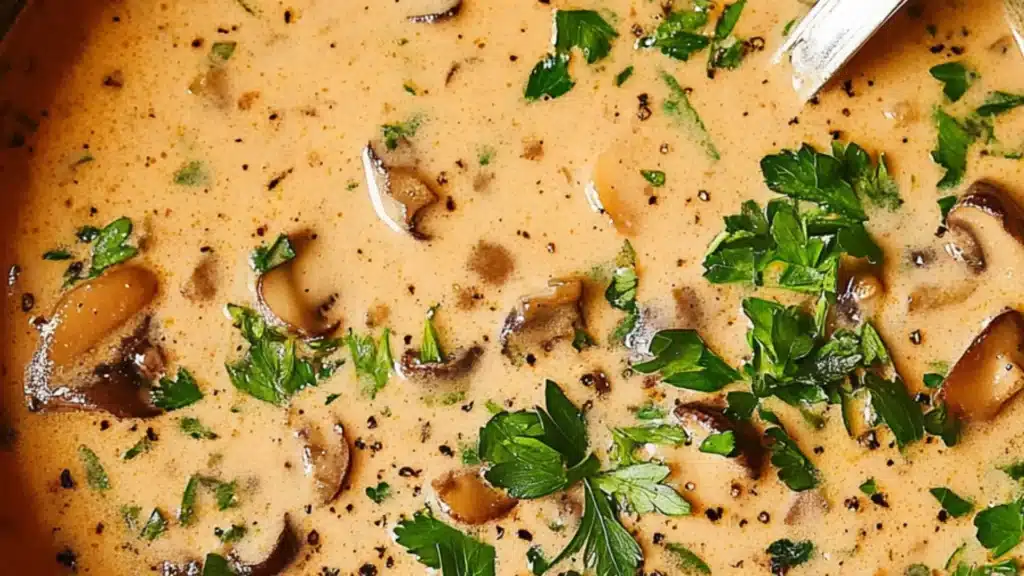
x: 398, y: 194
x: 542, y: 319
x: 325, y: 456
x: 932, y: 297
x: 970, y: 218
x: 285, y: 551
x: 990, y: 372
x: 605, y: 198
x: 458, y: 364
x: 284, y: 303
x: 447, y: 13
x: 469, y: 499
x: 861, y: 293
x: 94, y: 310
x: 714, y: 421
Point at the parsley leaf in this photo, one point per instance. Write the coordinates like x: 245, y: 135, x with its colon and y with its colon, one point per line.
x: 608, y: 548
x: 1000, y: 528
x: 785, y: 554
x: 687, y: 561
x: 110, y: 247
x: 233, y: 534
x: 221, y: 52
x: 795, y: 470
x: 678, y: 36
x: 896, y: 408
x: 398, y: 132
x: 549, y: 78
x: 142, y: 446
x: 869, y: 180
x: 265, y: 258
x: 95, y: 475
x: 223, y: 492
x: 627, y: 440
x: 56, y: 255
x: 721, y: 443
x: 740, y: 405
x: 87, y: 234
x: 951, y: 150
x: 727, y: 51
x: 271, y: 369
x: 807, y: 174
x: 941, y: 422
x: 441, y: 547
x: 1014, y: 470
x: 430, y: 348
x: 955, y: 78
x: 869, y: 487
x: 155, y: 525
x: 565, y: 427
x: 1004, y: 568
x: 583, y: 29
x: 641, y: 487
x: 655, y: 178
x: 178, y: 393
x: 683, y: 360
x: 379, y: 493
x: 621, y: 291
x: 194, y: 428
x: 217, y: 565
x: 997, y: 103
x: 951, y: 502
x: 130, y: 516
x: 187, y: 510
x: 621, y: 77
x: 372, y: 360
x: 678, y: 107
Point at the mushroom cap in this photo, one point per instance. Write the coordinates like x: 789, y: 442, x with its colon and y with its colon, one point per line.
x: 544, y: 317
x: 469, y: 499
x: 457, y: 364
x: 448, y: 13
x: 984, y: 202
x: 285, y: 551
x: 326, y: 457
x: 282, y: 302
x: 398, y: 194
x: 990, y: 372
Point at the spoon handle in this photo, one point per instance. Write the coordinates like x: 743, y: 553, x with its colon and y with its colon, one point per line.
x: 1015, y: 15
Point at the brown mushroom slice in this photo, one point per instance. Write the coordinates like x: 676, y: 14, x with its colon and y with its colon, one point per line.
x: 325, y: 457
x: 285, y: 551
x: 544, y: 318
x: 604, y: 197
x: 94, y: 310
x: 990, y: 372
x: 445, y: 10
x: 714, y: 421
x: 467, y: 498
x: 931, y: 297
x: 861, y: 293
x: 283, y: 302
x: 971, y: 218
x: 456, y: 365
x: 398, y: 194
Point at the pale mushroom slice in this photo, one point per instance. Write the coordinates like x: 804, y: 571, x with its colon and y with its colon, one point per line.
x: 990, y: 372
x: 326, y: 457
x: 457, y: 364
x: 973, y: 217
x: 285, y: 551
x: 283, y: 302
x: 467, y: 498
x: 712, y: 420
x: 398, y: 194
x: 542, y: 319
x: 439, y: 11
x: 606, y: 194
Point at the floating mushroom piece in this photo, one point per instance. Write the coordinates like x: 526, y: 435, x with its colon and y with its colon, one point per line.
x: 457, y: 364
x: 861, y: 293
x: 469, y: 499
x: 449, y: 10
x: 94, y: 310
x: 541, y: 319
x: 713, y: 420
x: 285, y: 551
x: 326, y: 457
x: 607, y: 197
x: 932, y: 297
x: 990, y: 372
x: 970, y: 218
x: 398, y: 194
x: 284, y: 303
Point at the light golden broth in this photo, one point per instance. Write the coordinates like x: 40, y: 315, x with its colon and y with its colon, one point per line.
x: 331, y: 77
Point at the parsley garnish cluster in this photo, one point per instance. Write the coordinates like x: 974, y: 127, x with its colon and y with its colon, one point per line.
x: 582, y: 29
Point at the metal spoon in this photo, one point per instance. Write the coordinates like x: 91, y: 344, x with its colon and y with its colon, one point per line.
x: 830, y: 35
x: 1015, y: 16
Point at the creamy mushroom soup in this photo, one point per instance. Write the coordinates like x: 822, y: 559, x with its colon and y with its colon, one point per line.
x: 496, y: 287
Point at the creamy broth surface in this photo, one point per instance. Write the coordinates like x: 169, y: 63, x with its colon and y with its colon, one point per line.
x: 104, y: 104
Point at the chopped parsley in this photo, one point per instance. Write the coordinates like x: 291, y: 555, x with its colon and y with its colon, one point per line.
x: 683, y: 360
x: 141, y: 447
x: 187, y: 510
x: 955, y: 77
x: 953, y: 504
x: 155, y: 525
x: 95, y: 475
x: 687, y: 561
x: 439, y: 546
x: 678, y: 107
x: 191, y: 173
x: 870, y: 180
x: 130, y: 516
x: 550, y: 78
x: 951, y: 151
x: 221, y: 52
x: 217, y: 565
x: 430, y: 347
x: 621, y: 77
x: 621, y: 292
x: 679, y: 34
x: 223, y: 492
x: 485, y: 156
x: 896, y: 408
x: 785, y: 554
x: 727, y: 51
x: 57, y: 255
x: 720, y: 443
x: 585, y: 30
x: 372, y: 360
x: 640, y: 488
x: 655, y: 178
x: 998, y: 103
x: 194, y: 428
x: 796, y: 471
x: 233, y: 534
x: 178, y: 393
x: 265, y: 258
x: 933, y: 380
x: 868, y: 487
x: 111, y: 246
x: 394, y: 134
x: 331, y: 398
x: 627, y: 440
x: 379, y: 493
x: 1000, y: 528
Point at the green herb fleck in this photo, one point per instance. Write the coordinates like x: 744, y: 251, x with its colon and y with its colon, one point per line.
x: 191, y: 173
x: 265, y: 258
x: 955, y: 78
x: 130, y: 516
x: 785, y: 554
x: 997, y: 103
x: 720, y: 443
x: 795, y: 470
x: 95, y: 475
x: 951, y: 151
x: 187, y: 510
x: 57, y: 255
x: 372, y: 360
x: 683, y: 360
x: 194, y: 428
x: 549, y: 78
x: 640, y: 488
x: 178, y: 393
x: 111, y: 246
x: 677, y: 106
x: 1000, y: 528
x: 233, y: 534
x: 379, y: 493
x: 621, y: 77
x: 951, y: 502
x: 142, y: 446
x: 393, y: 134
x: 583, y: 29
x: 656, y: 178
x: 271, y: 369
x: 441, y: 547
x: 687, y: 561
x: 869, y: 487
x: 155, y: 525
x: 221, y: 52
